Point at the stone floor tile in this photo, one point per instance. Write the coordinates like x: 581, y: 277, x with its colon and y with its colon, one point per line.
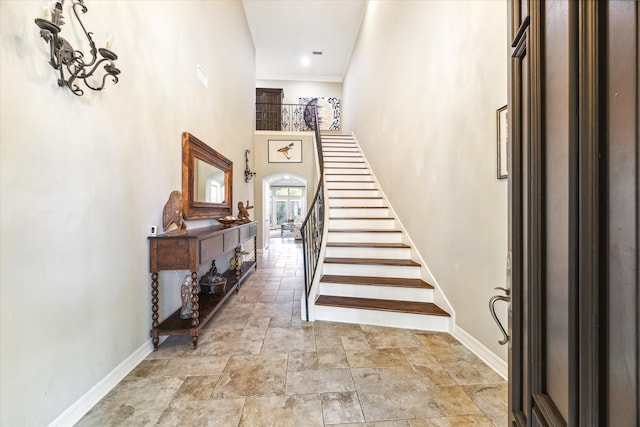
x: 196, y: 388
x: 393, y: 393
x: 147, y: 368
x: 453, y: 400
x: 283, y: 411
x: 425, y: 365
x: 331, y: 357
x: 288, y: 339
x: 375, y: 357
x: 253, y: 375
x: 302, y: 361
x: 396, y: 423
x: 205, y: 413
x: 226, y: 343
x: 319, y: 381
x: 341, y: 407
x: 382, y: 337
x: 491, y: 399
x: 131, y: 403
x: 184, y: 366
x: 455, y: 421
x: 256, y: 328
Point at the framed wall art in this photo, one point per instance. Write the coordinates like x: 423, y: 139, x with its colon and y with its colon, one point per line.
x: 502, y: 131
x: 285, y: 151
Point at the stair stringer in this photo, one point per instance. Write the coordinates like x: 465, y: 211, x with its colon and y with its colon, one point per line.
x: 439, y: 298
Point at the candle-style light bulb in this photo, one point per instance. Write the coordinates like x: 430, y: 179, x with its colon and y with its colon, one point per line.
x: 109, y: 41
x: 46, y: 13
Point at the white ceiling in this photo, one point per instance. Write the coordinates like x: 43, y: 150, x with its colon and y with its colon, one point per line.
x: 284, y: 31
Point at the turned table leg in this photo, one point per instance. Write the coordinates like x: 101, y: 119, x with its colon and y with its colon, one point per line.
x: 195, y: 305
x: 154, y: 310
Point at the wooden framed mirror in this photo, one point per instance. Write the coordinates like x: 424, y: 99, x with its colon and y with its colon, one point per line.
x: 207, y: 179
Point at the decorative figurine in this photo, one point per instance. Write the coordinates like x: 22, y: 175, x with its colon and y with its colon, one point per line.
x: 172, y: 220
x: 211, y: 283
x: 185, y: 292
x: 243, y: 212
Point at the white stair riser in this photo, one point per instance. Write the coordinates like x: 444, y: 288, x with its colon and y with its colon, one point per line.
x: 353, y: 193
x: 358, y: 177
x: 343, y: 160
x: 334, y: 170
x: 343, y: 157
x: 365, y: 252
x: 345, y: 165
x: 358, y: 212
x: 377, y: 292
x: 356, y: 202
x: 346, y: 237
x: 383, y: 318
x: 369, y: 185
x: 409, y: 272
x: 349, y: 150
x: 359, y: 224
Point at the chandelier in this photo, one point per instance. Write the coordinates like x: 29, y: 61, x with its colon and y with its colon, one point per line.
x: 70, y: 62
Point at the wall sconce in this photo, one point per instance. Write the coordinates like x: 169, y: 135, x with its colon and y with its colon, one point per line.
x: 247, y: 172
x: 65, y: 57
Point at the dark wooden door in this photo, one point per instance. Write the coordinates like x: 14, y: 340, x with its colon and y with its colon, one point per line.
x: 269, y: 108
x: 573, y: 220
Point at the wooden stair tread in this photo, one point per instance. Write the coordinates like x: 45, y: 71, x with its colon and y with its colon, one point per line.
x: 352, y: 182
x: 378, y: 281
x: 355, y: 197
x: 361, y: 230
x: 367, y: 245
x: 358, y: 207
x: 427, y: 308
x: 362, y: 217
x: 352, y: 189
x: 373, y: 261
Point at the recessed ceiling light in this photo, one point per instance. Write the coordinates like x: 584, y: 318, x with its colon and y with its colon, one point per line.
x: 305, y: 61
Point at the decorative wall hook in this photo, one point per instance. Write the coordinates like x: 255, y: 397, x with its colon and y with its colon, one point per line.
x: 64, y: 57
x: 248, y: 175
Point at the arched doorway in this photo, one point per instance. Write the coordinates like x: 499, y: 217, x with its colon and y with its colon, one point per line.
x: 284, y: 203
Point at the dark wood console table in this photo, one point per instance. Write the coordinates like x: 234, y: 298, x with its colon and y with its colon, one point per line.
x: 188, y: 252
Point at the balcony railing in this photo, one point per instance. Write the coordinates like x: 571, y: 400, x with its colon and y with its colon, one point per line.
x: 283, y: 117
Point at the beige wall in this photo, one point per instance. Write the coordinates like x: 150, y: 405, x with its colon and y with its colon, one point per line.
x: 421, y: 97
x: 83, y: 178
x: 263, y: 169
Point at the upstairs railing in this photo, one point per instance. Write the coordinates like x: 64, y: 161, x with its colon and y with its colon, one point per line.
x: 313, y: 226
x: 284, y: 117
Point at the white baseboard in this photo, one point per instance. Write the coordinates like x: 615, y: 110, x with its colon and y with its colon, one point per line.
x: 80, y: 407
x: 496, y: 363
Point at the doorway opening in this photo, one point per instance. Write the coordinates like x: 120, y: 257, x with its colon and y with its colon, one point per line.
x: 284, y: 206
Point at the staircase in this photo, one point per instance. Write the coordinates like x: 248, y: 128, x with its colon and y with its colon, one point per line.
x: 368, y: 275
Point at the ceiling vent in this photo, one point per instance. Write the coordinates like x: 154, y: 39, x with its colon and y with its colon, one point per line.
x: 317, y: 52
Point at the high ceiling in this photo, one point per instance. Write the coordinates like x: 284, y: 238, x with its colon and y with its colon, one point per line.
x: 285, y: 31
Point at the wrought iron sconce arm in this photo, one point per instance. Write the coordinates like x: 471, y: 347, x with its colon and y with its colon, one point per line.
x: 64, y: 57
x: 248, y: 175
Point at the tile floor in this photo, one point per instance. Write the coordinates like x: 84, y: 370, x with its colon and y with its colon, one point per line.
x: 259, y: 364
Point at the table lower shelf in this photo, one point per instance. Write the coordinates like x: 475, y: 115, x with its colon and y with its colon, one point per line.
x: 209, y: 305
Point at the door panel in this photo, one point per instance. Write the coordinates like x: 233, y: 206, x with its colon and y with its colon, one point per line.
x: 573, y: 216
x: 556, y: 159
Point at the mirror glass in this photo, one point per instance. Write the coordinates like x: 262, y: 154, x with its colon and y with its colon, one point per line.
x: 209, y: 182
x: 207, y: 177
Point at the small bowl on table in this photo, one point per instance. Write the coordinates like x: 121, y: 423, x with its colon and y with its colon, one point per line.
x: 227, y: 222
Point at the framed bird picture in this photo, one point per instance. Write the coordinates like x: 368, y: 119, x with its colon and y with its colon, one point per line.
x: 285, y: 151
